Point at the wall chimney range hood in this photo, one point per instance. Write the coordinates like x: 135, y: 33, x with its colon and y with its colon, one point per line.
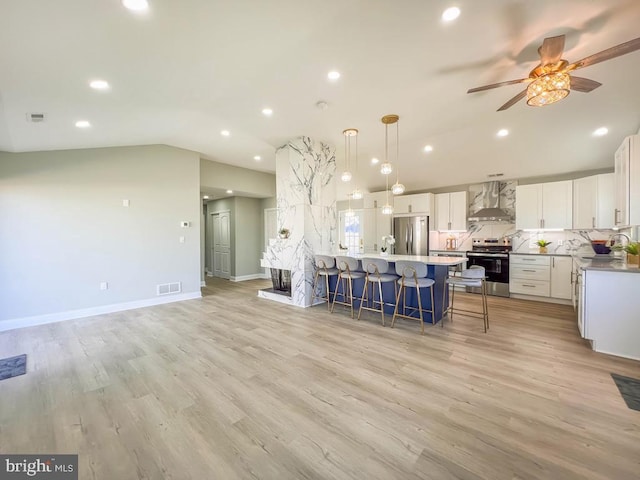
x: 491, y: 211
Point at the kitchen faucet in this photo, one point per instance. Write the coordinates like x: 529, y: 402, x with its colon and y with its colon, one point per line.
x: 610, y: 242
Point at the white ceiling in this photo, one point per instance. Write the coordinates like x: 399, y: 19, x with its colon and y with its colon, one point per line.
x: 187, y: 69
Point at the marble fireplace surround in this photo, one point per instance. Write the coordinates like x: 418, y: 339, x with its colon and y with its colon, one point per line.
x: 306, y: 205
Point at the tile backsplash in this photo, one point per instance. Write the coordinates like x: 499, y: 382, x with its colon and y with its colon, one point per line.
x: 564, y: 242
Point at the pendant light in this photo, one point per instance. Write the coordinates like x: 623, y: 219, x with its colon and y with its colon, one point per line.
x: 386, y: 167
x: 346, y: 175
x: 397, y: 188
x: 357, y: 193
x: 348, y: 133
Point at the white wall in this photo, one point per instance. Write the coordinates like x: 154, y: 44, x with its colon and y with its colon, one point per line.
x: 63, y: 228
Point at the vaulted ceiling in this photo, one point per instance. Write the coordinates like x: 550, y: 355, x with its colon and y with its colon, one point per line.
x: 185, y: 70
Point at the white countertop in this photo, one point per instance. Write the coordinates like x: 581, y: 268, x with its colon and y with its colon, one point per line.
x: 617, y: 265
x: 428, y: 260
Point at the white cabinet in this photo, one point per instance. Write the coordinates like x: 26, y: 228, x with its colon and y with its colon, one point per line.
x: 627, y: 182
x: 375, y: 200
x: 369, y: 231
x: 561, y: 277
x: 451, y: 211
x: 529, y: 275
x: 376, y: 224
x: 593, y: 201
x: 541, y: 275
x: 421, y: 203
x: 544, y: 205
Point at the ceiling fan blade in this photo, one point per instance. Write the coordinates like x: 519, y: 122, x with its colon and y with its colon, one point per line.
x: 551, y: 50
x: 513, y: 101
x: 496, y: 85
x: 585, y: 85
x: 608, y: 54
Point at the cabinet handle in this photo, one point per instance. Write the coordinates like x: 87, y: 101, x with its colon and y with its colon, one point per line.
x: 593, y: 222
x: 527, y: 285
x: 615, y: 216
x: 449, y: 225
x: 410, y: 209
x: 543, y: 223
x: 528, y: 259
x: 553, y: 262
x: 526, y: 270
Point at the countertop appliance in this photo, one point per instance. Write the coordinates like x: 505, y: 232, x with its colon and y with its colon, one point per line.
x: 493, y: 255
x: 412, y: 235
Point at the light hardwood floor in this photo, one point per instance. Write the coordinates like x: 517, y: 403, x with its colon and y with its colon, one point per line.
x: 233, y: 387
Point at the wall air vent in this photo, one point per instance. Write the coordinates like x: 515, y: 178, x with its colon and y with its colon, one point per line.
x: 169, y: 288
x: 36, y: 117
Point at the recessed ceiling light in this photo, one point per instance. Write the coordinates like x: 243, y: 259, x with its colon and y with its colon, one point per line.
x: 450, y: 14
x: 374, y: 161
x: 428, y: 148
x: 206, y: 197
x: 99, y: 84
x: 136, y: 5
x: 601, y: 131
x: 503, y: 132
x: 229, y: 191
x: 83, y: 124
x: 267, y: 112
x: 225, y: 133
x: 257, y: 158
x: 333, y: 75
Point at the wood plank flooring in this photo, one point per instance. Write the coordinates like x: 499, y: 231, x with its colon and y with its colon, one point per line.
x: 231, y: 386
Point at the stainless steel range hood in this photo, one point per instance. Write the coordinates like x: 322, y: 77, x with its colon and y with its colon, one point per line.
x: 491, y: 211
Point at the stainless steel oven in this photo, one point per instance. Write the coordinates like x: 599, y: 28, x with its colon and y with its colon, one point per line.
x: 493, y: 255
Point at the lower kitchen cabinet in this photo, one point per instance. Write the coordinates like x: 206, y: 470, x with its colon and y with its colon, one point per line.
x: 546, y: 276
x: 529, y: 275
x: 561, y: 286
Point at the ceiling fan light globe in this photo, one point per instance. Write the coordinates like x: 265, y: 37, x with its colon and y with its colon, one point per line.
x: 548, y: 89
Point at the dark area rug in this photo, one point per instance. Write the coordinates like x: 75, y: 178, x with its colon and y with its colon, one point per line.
x: 13, y: 366
x: 629, y: 389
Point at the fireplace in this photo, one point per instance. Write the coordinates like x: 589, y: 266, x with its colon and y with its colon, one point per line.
x: 281, y: 281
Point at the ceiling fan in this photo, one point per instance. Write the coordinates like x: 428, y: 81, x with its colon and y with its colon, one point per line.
x: 550, y: 80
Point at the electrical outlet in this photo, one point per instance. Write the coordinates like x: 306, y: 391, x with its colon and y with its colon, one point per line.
x: 181, y: 239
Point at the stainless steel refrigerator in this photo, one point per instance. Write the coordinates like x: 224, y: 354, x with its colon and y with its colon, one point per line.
x: 412, y: 235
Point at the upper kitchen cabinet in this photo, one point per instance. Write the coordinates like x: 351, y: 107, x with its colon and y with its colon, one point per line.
x: 451, y: 211
x: 593, y: 201
x: 544, y: 206
x: 375, y: 200
x: 421, y: 203
x: 627, y: 182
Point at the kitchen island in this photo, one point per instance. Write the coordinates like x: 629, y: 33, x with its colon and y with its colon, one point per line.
x: 437, y: 268
x: 608, y: 304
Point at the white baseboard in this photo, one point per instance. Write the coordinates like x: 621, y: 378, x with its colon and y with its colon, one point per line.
x: 203, y: 283
x: 23, y: 322
x: 254, y: 276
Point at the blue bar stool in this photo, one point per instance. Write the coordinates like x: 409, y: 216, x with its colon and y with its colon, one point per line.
x: 325, y: 267
x: 413, y: 275
x: 376, y: 270
x: 347, y: 270
x: 472, y: 277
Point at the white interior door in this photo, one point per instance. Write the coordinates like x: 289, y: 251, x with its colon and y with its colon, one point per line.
x: 221, y: 245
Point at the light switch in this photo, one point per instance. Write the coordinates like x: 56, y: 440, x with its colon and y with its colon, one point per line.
x: 104, y: 285
x: 181, y: 239
x: 125, y: 202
